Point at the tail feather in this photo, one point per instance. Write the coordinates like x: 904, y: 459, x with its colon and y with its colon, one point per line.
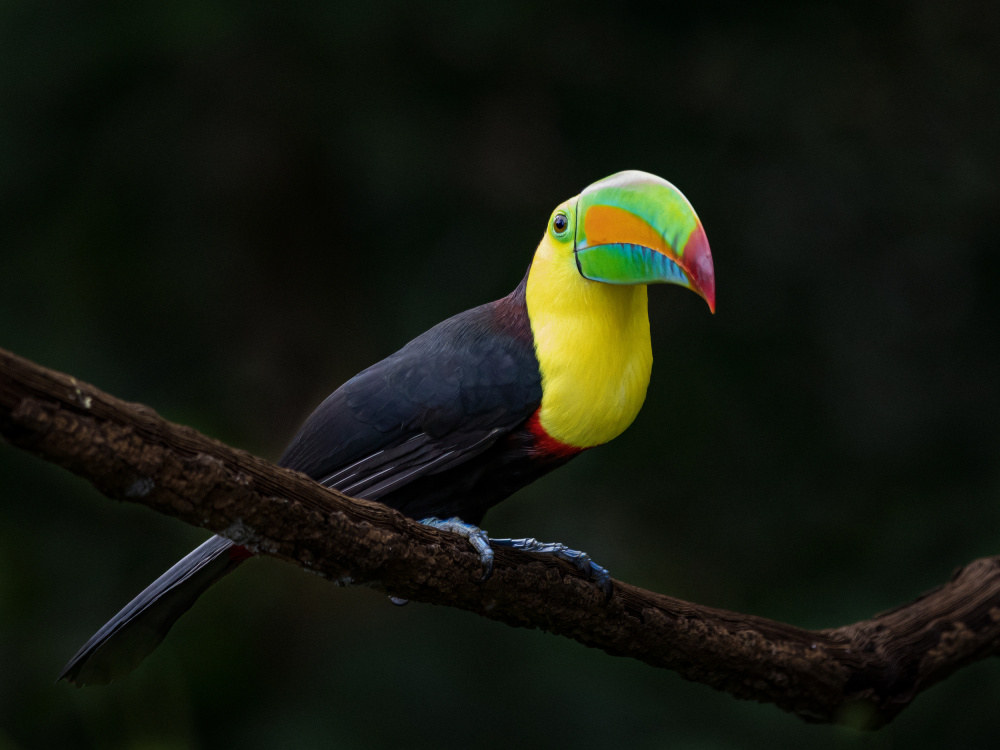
x: 125, y: 640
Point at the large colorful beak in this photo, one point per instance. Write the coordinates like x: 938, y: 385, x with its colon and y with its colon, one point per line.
x: 637, y: 228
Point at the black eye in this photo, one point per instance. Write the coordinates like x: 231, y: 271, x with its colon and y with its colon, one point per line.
x: 560, y: 223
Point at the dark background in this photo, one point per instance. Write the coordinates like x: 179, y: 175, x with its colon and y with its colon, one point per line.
x: 224, y: 210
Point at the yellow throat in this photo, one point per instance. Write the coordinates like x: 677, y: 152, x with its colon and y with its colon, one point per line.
x: 593, y: 348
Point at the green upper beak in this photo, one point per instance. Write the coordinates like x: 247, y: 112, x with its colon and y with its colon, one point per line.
x: 636, y: 228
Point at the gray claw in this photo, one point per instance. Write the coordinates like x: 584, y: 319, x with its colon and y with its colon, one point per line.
x: 476, y: 536
x: 581, y: 560
x: 481, y: 543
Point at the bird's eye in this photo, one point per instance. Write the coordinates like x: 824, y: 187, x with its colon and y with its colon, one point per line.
x: 560, y: 223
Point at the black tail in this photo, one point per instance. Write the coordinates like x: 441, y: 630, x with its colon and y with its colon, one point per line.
x: 125, y: 640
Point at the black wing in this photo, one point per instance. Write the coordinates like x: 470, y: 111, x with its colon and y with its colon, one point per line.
x: 441, y: 400
x: 415, y: 430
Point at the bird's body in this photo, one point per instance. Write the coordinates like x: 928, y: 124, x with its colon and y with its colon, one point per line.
x: 445, y: 426
x: 483, y: 403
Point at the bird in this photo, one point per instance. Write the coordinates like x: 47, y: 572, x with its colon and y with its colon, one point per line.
x: 483, y: 403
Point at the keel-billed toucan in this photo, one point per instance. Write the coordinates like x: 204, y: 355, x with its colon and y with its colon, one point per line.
x: 481, y: 404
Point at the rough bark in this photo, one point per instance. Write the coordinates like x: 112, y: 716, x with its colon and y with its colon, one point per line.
x: 864, y: 673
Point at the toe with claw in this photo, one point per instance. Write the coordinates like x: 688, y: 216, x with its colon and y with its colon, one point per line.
x: 476, y: 536
x: 481, y: 543
x: 600, y: 575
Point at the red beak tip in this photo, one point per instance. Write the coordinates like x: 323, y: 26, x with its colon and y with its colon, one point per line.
x: 700, y: 268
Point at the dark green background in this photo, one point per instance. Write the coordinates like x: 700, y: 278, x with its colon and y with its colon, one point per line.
x: 224, y: 210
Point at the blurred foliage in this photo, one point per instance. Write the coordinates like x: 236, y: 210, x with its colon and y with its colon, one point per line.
x: 226, y: 209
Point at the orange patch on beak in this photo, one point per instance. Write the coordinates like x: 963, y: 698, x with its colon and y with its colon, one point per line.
x: 607, y: 225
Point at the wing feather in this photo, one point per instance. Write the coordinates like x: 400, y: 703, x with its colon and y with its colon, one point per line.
x: 441, y: 400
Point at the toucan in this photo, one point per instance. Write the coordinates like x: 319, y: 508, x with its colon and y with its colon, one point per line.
x: 483, y: 403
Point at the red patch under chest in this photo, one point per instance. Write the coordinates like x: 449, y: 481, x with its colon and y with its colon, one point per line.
x: 545, y: 443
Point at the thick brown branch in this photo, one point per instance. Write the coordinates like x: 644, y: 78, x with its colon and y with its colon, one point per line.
x: 865, y: 673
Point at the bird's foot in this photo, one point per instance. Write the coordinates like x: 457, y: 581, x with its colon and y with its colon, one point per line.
x: 481, y: 543
x: 600, y: 575
x: 476, y: 536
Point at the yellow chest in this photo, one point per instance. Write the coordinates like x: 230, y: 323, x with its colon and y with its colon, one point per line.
x: 593, y: 349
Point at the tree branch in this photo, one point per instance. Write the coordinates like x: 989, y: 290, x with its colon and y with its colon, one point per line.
x: 864, y: 673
